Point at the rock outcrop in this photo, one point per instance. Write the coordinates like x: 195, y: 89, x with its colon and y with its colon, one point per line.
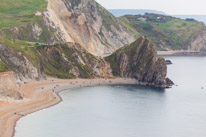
x: 168, y: 62
x: 71, y: 61
x: 61, y: 60
x: 139, y: 60
x: 18, y: 63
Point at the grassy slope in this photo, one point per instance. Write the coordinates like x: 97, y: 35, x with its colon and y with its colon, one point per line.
x: 176, y: 33
x: 51, y: 58
x: 146, y: 55
x: 17, y: 12
x: 128, y: 25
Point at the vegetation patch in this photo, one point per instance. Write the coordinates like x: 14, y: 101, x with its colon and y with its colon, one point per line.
x: 107, y: 18
x: 3, y: 67
x: 174, y: 32
x: 15, y: 13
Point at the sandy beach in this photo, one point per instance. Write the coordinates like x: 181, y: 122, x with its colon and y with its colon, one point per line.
x: 41, y: 95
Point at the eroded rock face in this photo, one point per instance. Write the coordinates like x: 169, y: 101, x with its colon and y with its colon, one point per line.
x: 18, y: 63
x: 71, y: 61
x: 90, y: 25
x: 139, y: 60
x: 62, y: 61
x: 8, y: 86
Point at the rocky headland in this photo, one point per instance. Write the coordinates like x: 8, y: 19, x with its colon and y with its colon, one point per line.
x: 139, y: 60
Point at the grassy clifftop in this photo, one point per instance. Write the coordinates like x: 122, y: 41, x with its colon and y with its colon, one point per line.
x: 163, y: 30
x: 17, y: 12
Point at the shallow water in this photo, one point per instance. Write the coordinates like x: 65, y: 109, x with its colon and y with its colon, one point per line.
x: 128, y: 111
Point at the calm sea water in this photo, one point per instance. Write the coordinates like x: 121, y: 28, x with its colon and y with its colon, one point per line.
x: 128, y: 111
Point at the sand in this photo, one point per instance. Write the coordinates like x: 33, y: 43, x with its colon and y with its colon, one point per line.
x: 41, y: 95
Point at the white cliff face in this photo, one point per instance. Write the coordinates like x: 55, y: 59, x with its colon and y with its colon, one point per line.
x: 37, y: 31
x: 55, y: 21
x: 88, y: 24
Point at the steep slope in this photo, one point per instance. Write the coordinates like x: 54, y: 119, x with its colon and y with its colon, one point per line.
x: 65, y: 39
x: 168, y: 33
x: 90, y: 25
x: 18, y: 63
x: 139, y: 60
x: 84, y: 22
x: 3, y: 67
x: 62, y: 61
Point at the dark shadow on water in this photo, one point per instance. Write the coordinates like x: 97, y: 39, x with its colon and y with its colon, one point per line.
x: 124, y: 90
x: 143, y: 91
x: 141, y: 88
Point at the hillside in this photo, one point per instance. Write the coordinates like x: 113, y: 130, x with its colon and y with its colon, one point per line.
x: 59, y: 38
x: 168, y: 33
x: 19, y: 12
x: 84, y: 22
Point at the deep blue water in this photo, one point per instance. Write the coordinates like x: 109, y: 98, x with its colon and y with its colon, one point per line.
x: 128, y: 111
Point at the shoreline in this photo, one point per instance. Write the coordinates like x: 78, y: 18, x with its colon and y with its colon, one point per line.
x: 181, y: 53
x: 45, y: 94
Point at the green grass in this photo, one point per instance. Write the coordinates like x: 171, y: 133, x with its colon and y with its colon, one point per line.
x: 17, y: 12
x: 176, y: 33
x: 127, y: 24
x: 107, y: 18
x: 50, y: 56
x: 3, y: 67
x: 180, y: 31
x: 145, y: 54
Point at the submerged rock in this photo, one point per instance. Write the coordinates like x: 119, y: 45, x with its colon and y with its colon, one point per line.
x: 168, y: 62
x: 139, y: 60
